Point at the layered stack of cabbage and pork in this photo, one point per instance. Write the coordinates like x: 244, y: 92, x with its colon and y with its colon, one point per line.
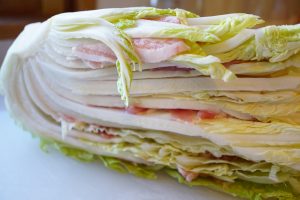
x: 213, y: 101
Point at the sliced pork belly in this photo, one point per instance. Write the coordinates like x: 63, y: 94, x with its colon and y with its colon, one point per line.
x: 158, y: 50
x: 149, y: 50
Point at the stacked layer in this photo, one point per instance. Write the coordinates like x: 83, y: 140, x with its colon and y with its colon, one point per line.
x: 208, y: 99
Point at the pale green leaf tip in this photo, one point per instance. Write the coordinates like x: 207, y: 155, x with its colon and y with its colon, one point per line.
x: 229, y: 76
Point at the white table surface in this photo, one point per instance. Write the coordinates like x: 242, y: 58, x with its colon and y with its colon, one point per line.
x: 27, y: 173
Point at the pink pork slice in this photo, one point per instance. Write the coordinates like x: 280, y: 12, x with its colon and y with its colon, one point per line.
x: 97, y: 52
x: 150, y: 50
x: 170, y: 19
x: 153, y: 50
x: 189, y: 176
